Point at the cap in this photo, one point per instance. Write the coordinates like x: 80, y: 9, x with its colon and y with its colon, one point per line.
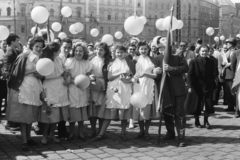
x: 231, y: 40
x: 90, y: 44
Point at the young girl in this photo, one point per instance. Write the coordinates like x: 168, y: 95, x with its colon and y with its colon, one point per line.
x: 25, y: 88
x: 144, y: 72
x: 77, y: 65
x: 55, y: 107
x: 100, y: 64
x: 119, y: 91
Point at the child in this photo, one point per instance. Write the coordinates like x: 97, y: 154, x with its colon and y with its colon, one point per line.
x: 55, y: 107
x: 77, y: 65
x: 118, y: 95
x: 100, y: 63
x: 144, y: 72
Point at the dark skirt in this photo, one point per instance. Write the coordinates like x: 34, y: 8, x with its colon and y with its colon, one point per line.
x: 3, y: 90
x: 20, y: 113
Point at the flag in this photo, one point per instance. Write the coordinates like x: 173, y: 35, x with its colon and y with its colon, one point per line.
x: 166, y: 97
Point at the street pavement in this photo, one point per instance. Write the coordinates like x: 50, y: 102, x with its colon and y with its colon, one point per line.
x: 219, y: 143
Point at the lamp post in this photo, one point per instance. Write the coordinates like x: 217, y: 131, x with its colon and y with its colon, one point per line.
x: 231, y: 16
x: 14, y: 17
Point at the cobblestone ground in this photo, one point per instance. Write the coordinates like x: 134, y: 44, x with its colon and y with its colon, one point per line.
x: 221, y: 142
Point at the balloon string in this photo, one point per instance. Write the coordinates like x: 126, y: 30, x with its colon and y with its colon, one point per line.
x: 36, y: 30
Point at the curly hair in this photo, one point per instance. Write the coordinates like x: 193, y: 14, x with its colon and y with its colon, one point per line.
x: 105, y: 47
x: 85, y: 50
x: 36, y: 40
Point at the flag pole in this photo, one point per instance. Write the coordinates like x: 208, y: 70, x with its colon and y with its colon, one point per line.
x: 165, y: 61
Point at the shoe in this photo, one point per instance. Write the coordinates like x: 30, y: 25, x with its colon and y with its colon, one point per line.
x: 208, y: 126
x: 198, y: 125
x: 123, y: 137
x: 83, y: 138
x: 147, y: 136
x: 92, y: 135
x: 131, y: 126
x: 31, y: 142
x: 140, y: 135
x: 25, y: 147
x: 98, y: 138
x: 70, y: 138
x: 13, y: 129
x: 55, y: 140
x: 181, y: 144
x: 237, y: 115
x: 44, y: 141
x: 168, y: 138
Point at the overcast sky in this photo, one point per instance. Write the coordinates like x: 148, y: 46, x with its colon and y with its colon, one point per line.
x: 236, y: 1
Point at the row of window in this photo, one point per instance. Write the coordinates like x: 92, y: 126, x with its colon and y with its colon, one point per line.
x: 9, y: 10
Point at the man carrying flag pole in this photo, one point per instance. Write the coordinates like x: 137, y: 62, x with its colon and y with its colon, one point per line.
x: 172, y: 92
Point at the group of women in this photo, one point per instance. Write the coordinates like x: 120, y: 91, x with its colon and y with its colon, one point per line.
x: 55, y: 98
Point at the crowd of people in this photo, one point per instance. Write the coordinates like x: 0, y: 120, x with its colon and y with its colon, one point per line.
x: 196, y: 75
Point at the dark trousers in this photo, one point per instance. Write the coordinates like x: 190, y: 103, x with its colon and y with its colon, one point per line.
x: 179, y: 119
x: 62, y: 130
x: 217, y: 91
x: 231, y: 100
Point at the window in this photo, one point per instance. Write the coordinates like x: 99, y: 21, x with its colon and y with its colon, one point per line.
x: 194, y: 33
x: 194, y: 20
x: 123, y: 2
x: 22, y: 28
x: 130, y: 2
x: 9, y: 27
x: 162, y: 6
x: 156, y: 5
x: 139, y: 4
x: 52, y: 12
x: 9, y: 11
x: 23, y: 11
x: 195, y: 8
x: 109, y: 30
x: 168, y: 6
x: 79, y: 12
x: 109, y: 17
x: 116, y: 2
x: 101, y: 30
x: 150, y: 5
x: 116, y: 16
x: 123, y: 15
x: 109, y: 2
x: 0, y: 11
x: 156, y: 17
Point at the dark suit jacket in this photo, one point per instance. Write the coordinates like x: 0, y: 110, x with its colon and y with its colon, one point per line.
x: 201, y: 74
x: 235, y: 59
x: 8, y: 60
x: 176, y: 77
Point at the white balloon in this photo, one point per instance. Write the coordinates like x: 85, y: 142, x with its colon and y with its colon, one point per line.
x: 33, y: 30
x: 216, y: 39
x: 209, y: 31
x: 4, y: 32
x: 133, y: 25
x: 118, y: 35
x: 144, y: 19
x: 62, y: 35
x: 154, y: 42
x: 79, y: 27
x: 94, y: 32
x: 159, y: 25
x: 56, y: 26
x: 44, y: 31
x: 222, y: 38
x: 180, y: 24
x: 66, y: 11
x: 45, y: 66
x: 72, y: 29
x: 39, y: 14
x: 107, y: 38
x: 166, y: 23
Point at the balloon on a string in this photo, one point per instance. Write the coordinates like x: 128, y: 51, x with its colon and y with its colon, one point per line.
x: 133, y: 25
x: 144, y: 19
x: 66, y: 11
x: 82, y: 81
x: 39, y: 14
x: 166, y: 23
x: 94, y: 32
x: 56, y: 26
x: 159, y: 24
x: 72, y: 29
x: 62, y: 35
x: 118, y: 35
x: 222, y: 38
x: 209, y: 31
x: 33, y: 30
x: 180, y: 24
x: 4, y: 32
x: 78, y: 27
x: 216, y: 39
x: 45, y: 66
x: 44, y: 32
x: 108, y: 39
x: 139, y: 100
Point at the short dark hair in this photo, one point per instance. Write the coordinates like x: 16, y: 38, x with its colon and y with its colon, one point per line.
x: 67, y: 40
x: 105, y: 47
x: 85, y: 50
x: 121, y: 47
x: 143, y: 43
x: 204, y: 46
x: 131, y: 45
x: 36, y: 40
x: 199, y: 41
x: 11, y: 37
x: 50, y: 49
